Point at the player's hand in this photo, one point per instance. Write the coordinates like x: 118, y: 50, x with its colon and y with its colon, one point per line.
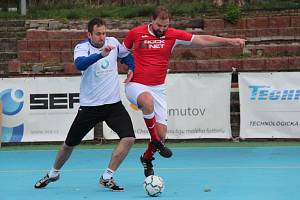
x: 237, y: 42
x: 106, y: 50
x: 129, y: 76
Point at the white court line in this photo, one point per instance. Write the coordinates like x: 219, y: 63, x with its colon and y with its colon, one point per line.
x: 177, y: 148
x: 163, y: 169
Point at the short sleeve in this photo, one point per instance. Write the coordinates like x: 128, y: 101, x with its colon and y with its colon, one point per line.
x: 183, y: 37
x: 122, y: 51
x: 81, y: 50
x: 128, y: 41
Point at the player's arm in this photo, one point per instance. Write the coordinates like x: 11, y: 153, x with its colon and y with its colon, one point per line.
x: 83, y: 62
x: 209, y: 40
x: 126, y: 57
x: 128, y: 60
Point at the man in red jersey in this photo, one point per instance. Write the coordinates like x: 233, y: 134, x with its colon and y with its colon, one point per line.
x: 153, y: 44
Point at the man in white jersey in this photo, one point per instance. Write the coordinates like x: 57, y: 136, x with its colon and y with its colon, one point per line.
x: 100, y: 100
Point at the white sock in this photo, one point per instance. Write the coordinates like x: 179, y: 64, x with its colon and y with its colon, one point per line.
x: 108, y: 174
x: 150, y: 116
x: 53, y: 172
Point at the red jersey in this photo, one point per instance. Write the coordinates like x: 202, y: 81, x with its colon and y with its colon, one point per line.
x: 151, y: 54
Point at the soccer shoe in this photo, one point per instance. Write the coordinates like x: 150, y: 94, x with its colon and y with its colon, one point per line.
x: 111, y: 184
x: 45, y: 181
x: 148, y: 167
x: 161, y: 148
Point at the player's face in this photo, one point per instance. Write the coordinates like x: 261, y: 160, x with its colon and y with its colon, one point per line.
x: 160, y: 26
x: 98, y: 35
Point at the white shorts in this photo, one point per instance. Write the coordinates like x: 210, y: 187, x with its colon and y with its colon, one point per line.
x: 158, y: 92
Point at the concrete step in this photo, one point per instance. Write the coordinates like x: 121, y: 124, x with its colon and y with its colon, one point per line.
x: 6, y: 56
x: 18, y: 35
x: 3, y: 67
x: 12, y: 23
x: 8, y: 44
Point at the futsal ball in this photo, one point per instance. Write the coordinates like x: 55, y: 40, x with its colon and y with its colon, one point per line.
x: 154, y: 185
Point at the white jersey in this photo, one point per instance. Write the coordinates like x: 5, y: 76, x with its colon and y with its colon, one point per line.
x: 99, y: 82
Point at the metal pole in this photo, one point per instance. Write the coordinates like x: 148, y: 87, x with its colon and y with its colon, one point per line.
x: 23, y: 7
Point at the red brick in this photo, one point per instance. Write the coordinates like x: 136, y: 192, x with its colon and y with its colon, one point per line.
x: 297, y: 32
x: 213, y: 24
x: 78, y: 35
x: 21, y: 45
x: 223, y: 33
x: 203, y: 53
x: 253, y: 64
x: 267, y: 50
x: 29, y: 56
x: 60, y: 44
x: 194, y: 65
x: 267, y: 32
x: 245, y: 33
x: 286, y: 31
x: 225, y: 52
x: 14, y: 66
x: 38, y: 44
x: 117, y: 34
x: 207, y: 32
x: 279, y: 22
x: 256, y: 23
x: 57, y: 35
x: 50, y: 56
x: 240, y: 24
x: 66, y: 56
x: 32, y: 45
x: 228, y: 64
x: 294, y: 62
x: 69, y: 68
x: 277, y: 63
x: 288, y: 50
x: 295, y: 21
x: 37, y: 34
x: 190, y: 53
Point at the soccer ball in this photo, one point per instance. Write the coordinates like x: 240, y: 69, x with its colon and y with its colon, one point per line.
x: 154, y: 185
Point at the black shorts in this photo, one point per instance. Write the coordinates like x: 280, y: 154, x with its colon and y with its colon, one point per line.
x: 115, y: 115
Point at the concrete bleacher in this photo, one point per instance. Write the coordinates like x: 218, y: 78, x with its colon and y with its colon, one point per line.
x: 273, y: 44
x: 10, y: 33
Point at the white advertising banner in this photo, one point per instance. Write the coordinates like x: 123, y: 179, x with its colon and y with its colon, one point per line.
x: 270, y: 105
x: 198, y: 107
x: 39, y: 109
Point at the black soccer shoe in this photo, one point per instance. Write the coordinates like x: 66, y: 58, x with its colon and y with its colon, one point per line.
x: 162, y: 149
x: 148, y: 167
x: 110, y: 184
x: 45, y: 181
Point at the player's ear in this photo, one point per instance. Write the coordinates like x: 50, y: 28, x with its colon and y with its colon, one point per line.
x: 89, y: 35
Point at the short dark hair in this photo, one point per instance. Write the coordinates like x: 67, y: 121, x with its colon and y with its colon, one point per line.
x: 161, y: 12
x: 95, y: 21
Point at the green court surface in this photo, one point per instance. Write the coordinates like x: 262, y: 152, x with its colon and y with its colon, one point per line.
x: 210, y: 171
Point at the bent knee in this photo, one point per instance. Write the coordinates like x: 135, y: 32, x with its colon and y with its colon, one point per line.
x: 145, y: 99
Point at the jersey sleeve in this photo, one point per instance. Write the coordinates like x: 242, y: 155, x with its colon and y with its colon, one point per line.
x: 122, y: 51
x: 81, y: 50
x: 128, y: 41
x: 183, y: 37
